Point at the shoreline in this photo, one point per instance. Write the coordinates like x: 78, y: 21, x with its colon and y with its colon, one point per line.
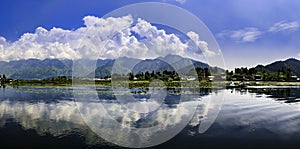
x: 145, y: 84
x: 269, y: 83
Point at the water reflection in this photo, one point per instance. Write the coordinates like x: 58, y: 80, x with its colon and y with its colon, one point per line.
x: 47, y: 111
x: 261, y: 116
x: 252, y: 116
x: 51, y: 110
x: 143, y: 117
x: 287, y: 95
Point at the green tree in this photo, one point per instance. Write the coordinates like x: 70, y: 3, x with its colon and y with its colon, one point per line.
x: 245, y: 71
x: 288, y: 74
x: 237, y: 71
x: 152, y: 74
x: 147, y: 75
x: 206, y: 72
x: 131, y: 76
x: 252, y: 71
x: 158, y: 74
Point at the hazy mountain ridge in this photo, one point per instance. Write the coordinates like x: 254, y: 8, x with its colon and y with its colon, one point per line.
x: 36, y: 69
x: 291, y: 63
x: 169, y: 63
x: 49, y: 68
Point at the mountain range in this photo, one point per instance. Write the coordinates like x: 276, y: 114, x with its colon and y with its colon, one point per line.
x: 124, y: 65
x: 49, y: 68
x: 291, y: 63
x: 36, y: 69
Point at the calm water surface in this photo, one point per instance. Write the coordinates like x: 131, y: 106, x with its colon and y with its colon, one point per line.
x: 47, y: 117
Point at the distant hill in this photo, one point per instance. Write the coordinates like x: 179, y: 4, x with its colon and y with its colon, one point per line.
x: 169, y: 62
x: 292, y: 64
x: 36, y: 69
x: 49, y: 68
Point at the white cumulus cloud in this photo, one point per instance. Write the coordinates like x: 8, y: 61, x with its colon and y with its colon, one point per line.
x: 111, y: 37
x: 124, y: 44
x: 64, y: 44
x: 41, y: 45
x: 159, y: 43
x: 195, y: 40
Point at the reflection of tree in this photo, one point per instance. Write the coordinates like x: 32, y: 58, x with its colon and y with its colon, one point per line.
x: 60, y: 117
x: 285, y: 94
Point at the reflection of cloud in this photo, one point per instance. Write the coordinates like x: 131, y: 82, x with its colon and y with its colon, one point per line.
x: 165, y: 116
x: 120, y: 123
x: 62, y: 111
x: 57, y: 119
x: 30, y: 115
x: 249, y: 34
x: 284, y: 26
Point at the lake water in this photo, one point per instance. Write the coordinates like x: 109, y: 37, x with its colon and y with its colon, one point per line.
x: 51, y: 117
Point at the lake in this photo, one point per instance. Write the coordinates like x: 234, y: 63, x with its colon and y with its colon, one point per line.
x: 53, y: 117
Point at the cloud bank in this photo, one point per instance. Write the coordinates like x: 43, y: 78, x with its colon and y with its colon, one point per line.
x: 102, y: 38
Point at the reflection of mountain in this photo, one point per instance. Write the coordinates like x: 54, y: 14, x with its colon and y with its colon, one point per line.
x: 58, y: 119
x: 45, y: 115
x: 62, y: 119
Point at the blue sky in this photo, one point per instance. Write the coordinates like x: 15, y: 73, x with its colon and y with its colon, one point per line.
x: 249, y: 32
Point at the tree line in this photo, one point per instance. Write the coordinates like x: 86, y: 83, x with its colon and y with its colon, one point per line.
x: 260, y: 74
x: 166, y: 75
x: 4, y: 79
